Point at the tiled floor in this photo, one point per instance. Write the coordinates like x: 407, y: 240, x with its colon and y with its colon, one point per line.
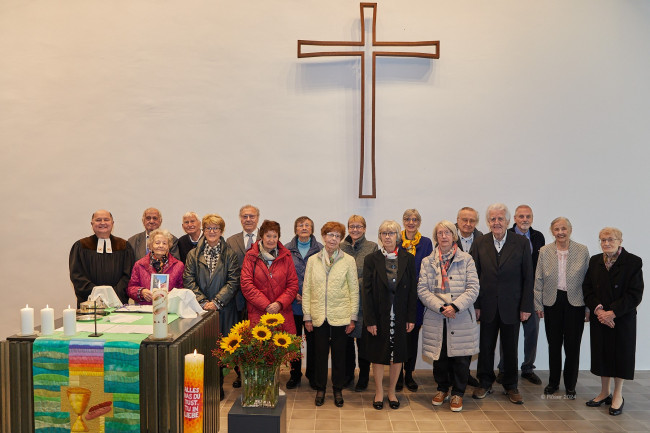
x: 492, y: 414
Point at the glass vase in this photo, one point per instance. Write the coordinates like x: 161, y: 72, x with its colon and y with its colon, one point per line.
x: 260, y: 385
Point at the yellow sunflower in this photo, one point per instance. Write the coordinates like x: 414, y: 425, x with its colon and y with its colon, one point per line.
x: 231, y: 342
x: 272, y: 319
x: 239, y: 327
x: 282, y: 339
x: 261, y: 332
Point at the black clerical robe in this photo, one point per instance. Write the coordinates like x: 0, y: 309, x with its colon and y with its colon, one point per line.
x: 88, y: 268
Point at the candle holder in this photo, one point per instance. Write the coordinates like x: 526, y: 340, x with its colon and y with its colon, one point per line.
x: 95, y: 334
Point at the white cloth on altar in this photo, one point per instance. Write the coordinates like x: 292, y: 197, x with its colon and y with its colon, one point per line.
x: 183, y: 302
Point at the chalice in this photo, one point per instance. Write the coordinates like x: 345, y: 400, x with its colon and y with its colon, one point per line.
x: 79, y: 398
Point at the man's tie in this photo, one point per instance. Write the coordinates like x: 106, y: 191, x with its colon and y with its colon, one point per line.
x: 249, y: 242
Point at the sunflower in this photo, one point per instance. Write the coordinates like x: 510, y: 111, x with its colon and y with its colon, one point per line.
x: 261, y: 332
x: 239, y: 327
x: 282, y: 339
x: 231, y: 342
x: 272, y: 319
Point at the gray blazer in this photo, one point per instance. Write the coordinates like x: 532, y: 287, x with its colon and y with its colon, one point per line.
x: 546, y: 275
x: 139, y: 244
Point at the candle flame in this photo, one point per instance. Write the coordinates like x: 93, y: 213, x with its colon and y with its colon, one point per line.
x: 26, y: 306
x: 68, y: 306
x: 195, y: 351
x: 47, y: 305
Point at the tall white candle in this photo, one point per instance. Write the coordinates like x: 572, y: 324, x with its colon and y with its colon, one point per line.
x: 47, y: 320
x: 159, y: 313
x: 69, y: 322
x: 27, y: 320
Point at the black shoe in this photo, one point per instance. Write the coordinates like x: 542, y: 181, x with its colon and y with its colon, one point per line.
x: 292, y: 383
x: 571, y: 394
x: 237, y: 382
x: 593, y: 403
x: 410, y: 384
x: 532, y: 378
x: 320, y: 398
x: 550, y: 389
x: 614, y: 412
x: 472, y: 381
x: 499, y: 378
x: 221, y: 394
x: 394, y: 404
x: 338, y: 398
x: 379, y: 405
x: 362, y: 384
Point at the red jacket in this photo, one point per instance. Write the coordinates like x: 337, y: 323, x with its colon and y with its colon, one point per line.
x: 141, y: 276
x: 262, y: 285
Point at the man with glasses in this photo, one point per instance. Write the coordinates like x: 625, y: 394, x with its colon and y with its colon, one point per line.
x: 505, y: 270
x: 466, y: 221
x: 241, y: 242
x: 151, y: 220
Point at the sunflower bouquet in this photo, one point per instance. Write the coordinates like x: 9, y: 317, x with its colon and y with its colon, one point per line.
x: 258, y: 351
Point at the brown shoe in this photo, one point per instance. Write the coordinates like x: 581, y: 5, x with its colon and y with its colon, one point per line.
x: 480, y: 392
x: 456, y: 403
x: 514, y: 396
x: 439, y: 398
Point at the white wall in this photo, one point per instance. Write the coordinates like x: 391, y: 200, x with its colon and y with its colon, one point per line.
x: 203, y: 105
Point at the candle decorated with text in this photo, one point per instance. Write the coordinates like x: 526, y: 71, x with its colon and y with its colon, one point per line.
x: 69, y: 322
x: 47, y: 320
x: 193, y: 397
x: 27, y: 320
x: 159, y: 313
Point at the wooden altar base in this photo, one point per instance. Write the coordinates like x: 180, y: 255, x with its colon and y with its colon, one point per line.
x: 258, y: 419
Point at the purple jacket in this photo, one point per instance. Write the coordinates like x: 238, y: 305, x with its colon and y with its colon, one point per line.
x: 141, y: 276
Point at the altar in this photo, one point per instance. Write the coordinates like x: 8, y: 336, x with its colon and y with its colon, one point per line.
x: 160, y: 380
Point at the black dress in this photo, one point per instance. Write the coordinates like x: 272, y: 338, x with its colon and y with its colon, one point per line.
x: 620, y: 289
x: 376, y: 298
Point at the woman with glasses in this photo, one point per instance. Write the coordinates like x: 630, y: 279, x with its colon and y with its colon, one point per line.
x: 420, y: 247
x: 356, y: 245
x: 212, y: 273
x: 612, y: 289
x: 268, y: 278
x: 561, y: 269
x: 389, y: 309
x: 302, y: 247
x: 330, y: 301
x: 448, y: 288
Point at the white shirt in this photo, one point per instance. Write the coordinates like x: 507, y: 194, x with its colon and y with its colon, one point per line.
x: 100, y: 246
x: 499, y: 244
x: 467, y: 242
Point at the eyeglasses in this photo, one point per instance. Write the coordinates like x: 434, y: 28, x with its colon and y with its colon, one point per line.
x: 387, y: 234
x: 410, y: 220
x: 608, y: 240
x: 467, y: 220
x: 307, y: 225
x: 333, y: 235
x: 212, y: 229
x: 445, y: 233
x: 356, y: 227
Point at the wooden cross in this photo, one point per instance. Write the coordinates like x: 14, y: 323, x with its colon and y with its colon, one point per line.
x: 362, y: 54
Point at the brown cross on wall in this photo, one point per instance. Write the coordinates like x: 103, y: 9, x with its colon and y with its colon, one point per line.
x: 341, y: 45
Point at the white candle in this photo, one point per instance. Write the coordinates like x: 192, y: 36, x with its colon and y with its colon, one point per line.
x: 69, y: 322
x: 159, y: 313
x: 27, y: 320
x: 47, y: 320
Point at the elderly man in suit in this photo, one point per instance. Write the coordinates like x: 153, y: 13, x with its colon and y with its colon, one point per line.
x: 466, y: 221
x: 192, y: 228
x: 505, y: 270
x: 249, y: 216
x: 151, y: 220
x: 522, y: 226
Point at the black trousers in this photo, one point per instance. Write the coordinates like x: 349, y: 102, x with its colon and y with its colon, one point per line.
x: 487, y: 344
x: 412, y: 348
x: 451, y: 371
x: 296, y: 366
x: 564, y: 325
x: 324, y: 337
x: 350, y: 356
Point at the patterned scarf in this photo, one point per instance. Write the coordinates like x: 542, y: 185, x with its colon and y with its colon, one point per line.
x: 268, y: 256
x: 409, y: 245
x: 158, y: 264
x: 212, y: 255
x: 610, y: 260
x: 445, y: 262
x: 388, y: 255
x: 328, y: 261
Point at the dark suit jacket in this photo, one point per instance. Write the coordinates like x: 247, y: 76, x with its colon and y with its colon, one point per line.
x: 507, y: 280
x: 185, y: 245
x: 236, y: 242
x: 139, y: 244
x: 477, y: 234
x: 538, y: 241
